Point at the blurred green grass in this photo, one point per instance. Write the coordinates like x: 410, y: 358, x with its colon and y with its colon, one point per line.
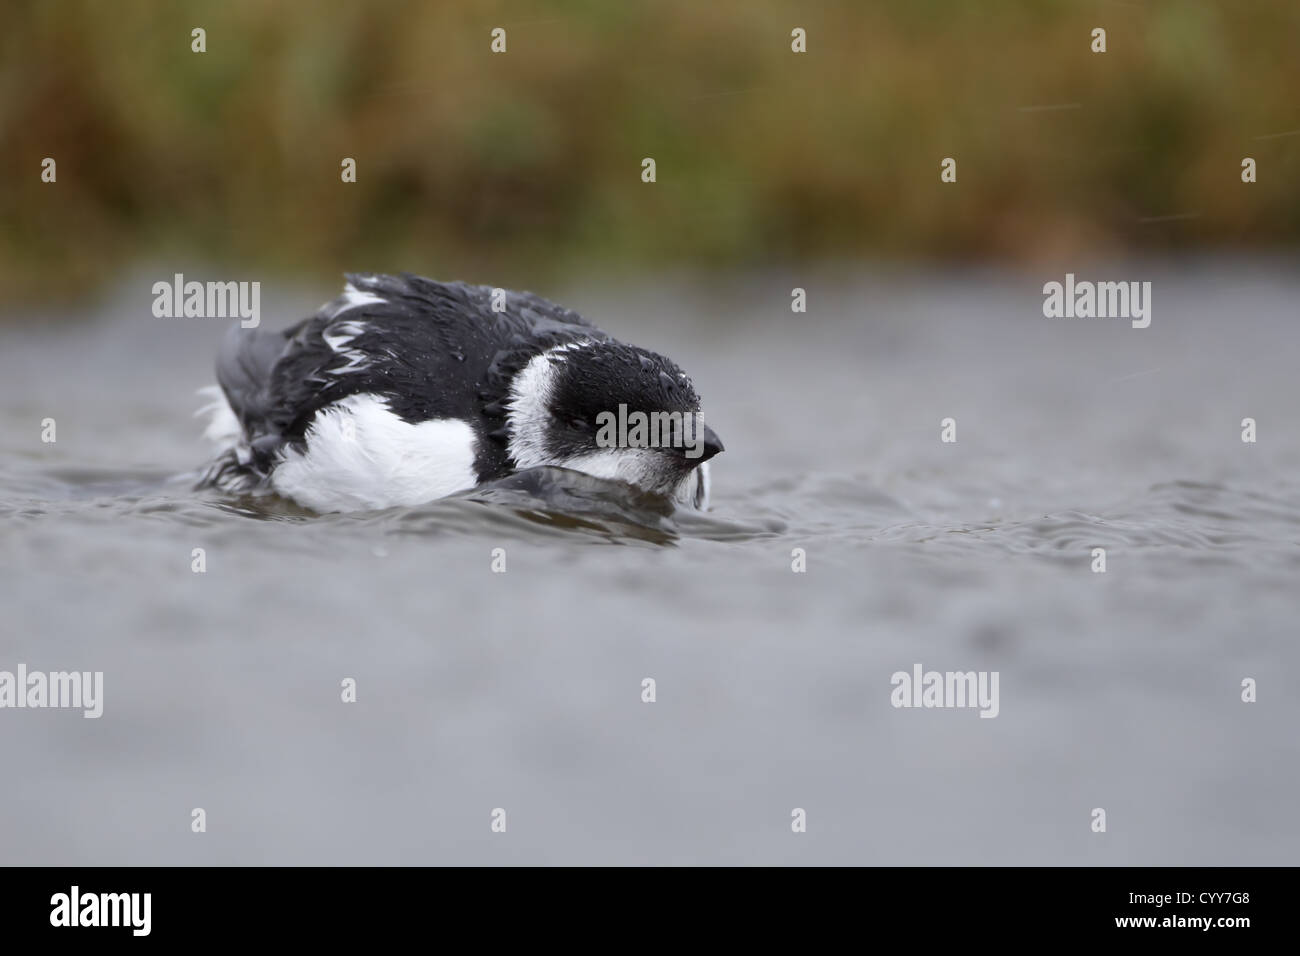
x: 499, y: 166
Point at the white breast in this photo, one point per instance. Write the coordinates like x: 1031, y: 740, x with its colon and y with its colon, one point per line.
x: 361, y: 456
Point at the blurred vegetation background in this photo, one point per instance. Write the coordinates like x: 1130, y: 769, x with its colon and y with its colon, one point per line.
x: 506, y: 168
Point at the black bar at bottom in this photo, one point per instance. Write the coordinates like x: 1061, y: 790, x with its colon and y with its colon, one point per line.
x: 372, y: 904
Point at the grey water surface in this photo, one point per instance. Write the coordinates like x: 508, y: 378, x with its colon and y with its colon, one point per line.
x: 522, y: 690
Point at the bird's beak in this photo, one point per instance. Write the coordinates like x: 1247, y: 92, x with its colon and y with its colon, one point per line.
x: 711, y: 445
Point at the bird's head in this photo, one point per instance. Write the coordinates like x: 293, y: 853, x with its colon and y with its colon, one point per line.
x: 612, y: 411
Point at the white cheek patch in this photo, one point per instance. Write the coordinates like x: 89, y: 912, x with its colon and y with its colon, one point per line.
x: 360, y: 456
x: 529, y: 416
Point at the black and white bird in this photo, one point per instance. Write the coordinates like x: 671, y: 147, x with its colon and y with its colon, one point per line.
x: 405, y: 389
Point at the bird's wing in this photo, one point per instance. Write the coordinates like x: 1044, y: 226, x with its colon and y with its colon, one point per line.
x: 433, y: 349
